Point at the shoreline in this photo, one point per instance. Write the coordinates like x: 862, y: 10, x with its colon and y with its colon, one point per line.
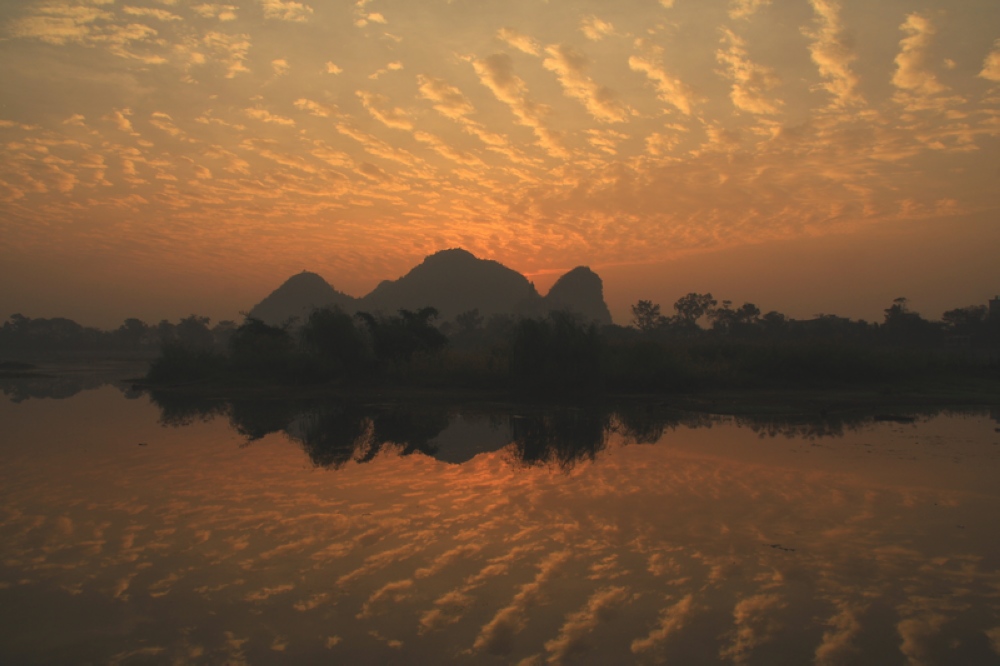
x: 787, y: 402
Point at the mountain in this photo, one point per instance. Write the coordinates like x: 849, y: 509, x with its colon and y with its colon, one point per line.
x: 297, y: 297
x: 581, y: 291
x: 455, y: 281
x: 452, y: 281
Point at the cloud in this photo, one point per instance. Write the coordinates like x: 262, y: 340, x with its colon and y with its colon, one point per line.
x: 595, y: 29
x: 519, y: 41
x: 266, y: 116
x: 750, y: 80
x: 220, y: 12
x: 280, y: 66
x: 164, y: 122
x: 744, y: 9
x: 286, y: 10
x: 670, y: 89
x: 315, y: 108
x: 448, y: 100
x: 60, y: 24
x: 231, y: 50
x: 569, y: 64
x: 380, y: 108
x: 391, y: 67
x: 912, y: 72
x: 158, y: 14
x: 991, y: 65
x: 832, y: 55
x: 120, y: 117
x: 605, y: 140
x: 496, y: 72
x: 331, y: 68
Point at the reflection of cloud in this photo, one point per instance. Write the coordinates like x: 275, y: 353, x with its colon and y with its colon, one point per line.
x: 497, y: 635
x: 580, y: 624
x: 838, y: 640
x: 753, y: 626
x: 915, y: 633
x: 671, y: 621
x: 394, y: 592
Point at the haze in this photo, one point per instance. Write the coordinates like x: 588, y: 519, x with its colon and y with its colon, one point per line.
x: 163, y: 158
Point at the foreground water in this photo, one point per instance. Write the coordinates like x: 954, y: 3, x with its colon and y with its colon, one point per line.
x: 265, y: 533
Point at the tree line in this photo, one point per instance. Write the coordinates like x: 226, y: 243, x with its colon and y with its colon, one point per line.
x: 702, y: 344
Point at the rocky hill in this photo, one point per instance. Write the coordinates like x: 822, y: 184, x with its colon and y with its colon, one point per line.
x: 452, y: 281
x: 297, y: 297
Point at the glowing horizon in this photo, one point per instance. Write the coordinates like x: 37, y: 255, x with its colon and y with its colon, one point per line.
x: 153, y: 146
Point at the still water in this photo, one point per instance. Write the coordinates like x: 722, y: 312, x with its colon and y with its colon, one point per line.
x: 134, y: 532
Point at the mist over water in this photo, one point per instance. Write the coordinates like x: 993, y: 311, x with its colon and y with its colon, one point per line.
x: 387, y: 534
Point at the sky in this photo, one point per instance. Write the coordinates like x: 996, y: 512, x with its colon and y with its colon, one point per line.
x: 161, y: 157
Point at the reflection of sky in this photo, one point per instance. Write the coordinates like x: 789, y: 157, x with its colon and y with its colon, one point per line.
x: 713, y: 544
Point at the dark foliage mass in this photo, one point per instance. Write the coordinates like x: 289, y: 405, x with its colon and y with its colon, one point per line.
x: 704, y: 344
x: 334, y: 433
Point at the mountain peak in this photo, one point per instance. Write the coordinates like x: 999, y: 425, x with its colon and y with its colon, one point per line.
x: 580, y: 290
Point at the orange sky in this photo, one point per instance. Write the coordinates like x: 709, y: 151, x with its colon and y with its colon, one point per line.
x: 163, y: 157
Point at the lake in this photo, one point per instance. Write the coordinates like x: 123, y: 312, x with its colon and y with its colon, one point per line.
x: 176, y: 531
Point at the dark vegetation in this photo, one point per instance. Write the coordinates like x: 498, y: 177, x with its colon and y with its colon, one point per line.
x: 702, y: 346
x: 334, y: 433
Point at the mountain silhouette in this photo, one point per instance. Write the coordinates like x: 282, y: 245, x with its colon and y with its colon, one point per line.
x: 452, y: 281
x: 455, y: 281
x: 297, y: 297
x: 581, y: 291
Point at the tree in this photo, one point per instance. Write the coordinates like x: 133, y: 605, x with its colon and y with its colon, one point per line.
x: 397, y: 338
x: 692, y: 307
x: 131, y: 333
x: 646, y: 316
x: 331, y: 334
x: 193, y: 331
x: 967, y: 320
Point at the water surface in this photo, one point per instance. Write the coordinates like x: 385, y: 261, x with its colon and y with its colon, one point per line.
x: 267, y: 533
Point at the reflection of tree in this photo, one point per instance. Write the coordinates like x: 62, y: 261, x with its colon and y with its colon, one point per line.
x: 255, y: 419
x: 180, y: 409
x: 560, y: 435
x: 334, y: 435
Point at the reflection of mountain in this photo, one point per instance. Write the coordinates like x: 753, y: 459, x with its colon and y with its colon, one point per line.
x: 335, y: 433
x: 453, y: 281
x: 58, y: 383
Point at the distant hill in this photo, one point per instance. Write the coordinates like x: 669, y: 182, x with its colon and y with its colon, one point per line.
x: 455, y: 281
x: 452, y: 281
x: 297, y: 297
x: 581, y: 291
